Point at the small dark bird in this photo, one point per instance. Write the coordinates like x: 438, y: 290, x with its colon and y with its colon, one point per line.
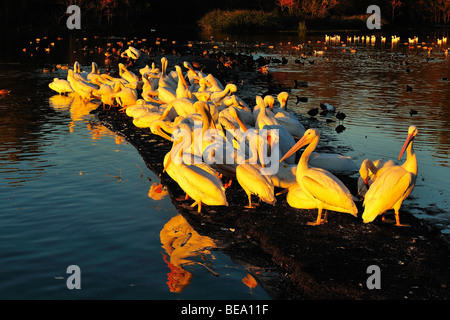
x: 411, y: 112
x: 340, y: 128
x: 444, y: 79
x: 301, y: 99
x: 408, y: 88
x: 313, y: 112
x: 302, y: 84
x: 340, y: 116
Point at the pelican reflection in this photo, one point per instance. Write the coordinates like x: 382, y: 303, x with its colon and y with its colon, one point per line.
x: 183, y: 246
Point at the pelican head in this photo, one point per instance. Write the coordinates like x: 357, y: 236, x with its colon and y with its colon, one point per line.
x: 364, y: 171
x: 282, y: 97
x: 95, y: 68
x: 412, y: 132
x: 188, y: 65
x: 309, y: 136
x: 77, y: 67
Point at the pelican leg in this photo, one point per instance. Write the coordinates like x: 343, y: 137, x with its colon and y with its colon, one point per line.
x: 250, y: 206
x: 199, y: 204
x: 397, y: 220
x: 325, y: 217
x: 282, y: 192
x: 319, y: 219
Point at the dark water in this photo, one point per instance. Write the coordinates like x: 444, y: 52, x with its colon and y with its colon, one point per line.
x: 73, y: 192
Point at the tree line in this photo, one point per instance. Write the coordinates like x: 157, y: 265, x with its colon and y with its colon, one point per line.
x: 51, y: 14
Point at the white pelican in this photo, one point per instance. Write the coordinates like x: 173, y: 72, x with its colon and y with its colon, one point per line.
x: 263, y: 119
x: 164, y: 79
x: 77, y: 73
x: 285, y: 176
x: 61, y: 86
x: 282, y: 100
x: 149, y: 84
x: 106, y: 93
x: 266, y: 102
x: 146, y: 120
x: 215, y: 84
x: 94, y: 73
x: 333, y: 162
x: 126, y: 74
x: 369, y: 171
x: 131, y: 52
x: 182, y: 90
x: 165, y: 94
x: 198, y: 183
x: 182, y: 106
x: 126, y: 97
x: 141, y: 108
x: 291, y: 124
x: 244, y: 112
x: 145, y: 70
x: 84, y: 89
x: 106, y: 78
x: 280, y: 139
x: 319, y: 185
x: 252, y: 180
x: 217, y: 96
x: 284, y: 117
x: 193, y: 75
x: 296, y: 198
x: 164, y: 128
x: 394, y: 185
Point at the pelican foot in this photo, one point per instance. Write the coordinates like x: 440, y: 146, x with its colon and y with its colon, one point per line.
x: 402, y: 225
x: 315, y: 223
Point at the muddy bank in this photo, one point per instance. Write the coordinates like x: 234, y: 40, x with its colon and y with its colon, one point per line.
x: 289, y: 258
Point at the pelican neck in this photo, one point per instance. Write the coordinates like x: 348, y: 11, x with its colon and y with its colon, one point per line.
x: 303, y: 162
x: 411, y: 159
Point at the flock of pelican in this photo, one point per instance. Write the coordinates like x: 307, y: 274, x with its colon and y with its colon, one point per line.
x: 217, y: 138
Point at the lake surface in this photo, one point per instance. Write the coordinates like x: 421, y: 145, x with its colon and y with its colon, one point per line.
x: 74, y: 193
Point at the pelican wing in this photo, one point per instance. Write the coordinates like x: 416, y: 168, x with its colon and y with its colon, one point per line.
x: 202, y: 185
x: 393, y: 185
x: 252, y: 181
x: 297, y: 198
x: 325, y: 187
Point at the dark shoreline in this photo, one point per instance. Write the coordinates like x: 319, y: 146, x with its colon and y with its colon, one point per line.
x: 292, y: 260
